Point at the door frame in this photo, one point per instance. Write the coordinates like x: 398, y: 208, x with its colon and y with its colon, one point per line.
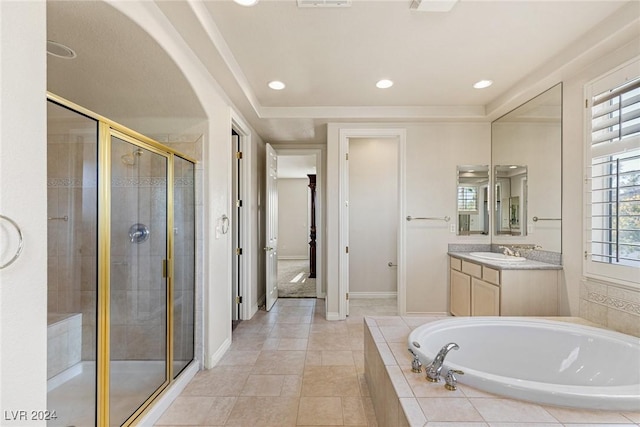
x: 343, y: 232
x: 319, y: 208
x: 246, y: 310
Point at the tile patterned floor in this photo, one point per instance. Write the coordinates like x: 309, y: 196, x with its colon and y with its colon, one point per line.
x: 286, y: 367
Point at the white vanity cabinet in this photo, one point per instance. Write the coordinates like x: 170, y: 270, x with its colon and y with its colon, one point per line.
x: 477, y: 289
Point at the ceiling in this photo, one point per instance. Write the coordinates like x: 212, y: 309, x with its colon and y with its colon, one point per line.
x: 329, y: 58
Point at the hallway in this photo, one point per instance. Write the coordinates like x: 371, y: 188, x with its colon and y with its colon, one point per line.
x: 286, y: 367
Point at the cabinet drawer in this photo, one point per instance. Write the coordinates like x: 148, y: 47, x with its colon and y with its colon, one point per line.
x: 455, y: 263
x: 490, y: 275
x: 472, y: 269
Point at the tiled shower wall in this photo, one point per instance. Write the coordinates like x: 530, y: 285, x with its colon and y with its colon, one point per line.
x: 138, y: 331
x: 72, y: 243
x: 611, y: 306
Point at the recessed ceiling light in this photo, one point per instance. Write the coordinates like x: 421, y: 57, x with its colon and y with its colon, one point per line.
x: 384, y: 84
x: 59, y: 50
x: 276, y: 85
x: 246, y: 2
x: 483, y: 84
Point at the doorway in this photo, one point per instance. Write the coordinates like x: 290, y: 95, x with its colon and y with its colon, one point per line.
x: 297, y: 237
x: 371, y: 211
x: 236, y: 228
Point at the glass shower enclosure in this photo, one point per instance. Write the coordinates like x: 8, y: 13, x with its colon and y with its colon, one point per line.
x: 121, y: 267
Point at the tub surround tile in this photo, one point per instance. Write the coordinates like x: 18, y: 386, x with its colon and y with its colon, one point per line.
x: 449, y: 409
x: 507, y: 410
x: 412, y: 411
x: 612, y: 306
x: 633, y: 416
x: 418, y: 403
x: 569, y: 415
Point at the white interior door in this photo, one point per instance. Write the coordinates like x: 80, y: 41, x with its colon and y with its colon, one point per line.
x: 271, y: 227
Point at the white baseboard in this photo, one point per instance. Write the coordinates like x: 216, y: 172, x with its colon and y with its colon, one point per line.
x: 363, y: 295
x: 213, y: 359
x: 169, y: 395
x: 333, y: 316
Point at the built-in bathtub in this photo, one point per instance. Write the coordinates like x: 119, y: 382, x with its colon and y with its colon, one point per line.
x: 538, y: 360
x: 64, y: 346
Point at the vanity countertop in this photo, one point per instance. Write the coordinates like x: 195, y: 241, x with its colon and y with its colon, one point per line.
x: 500, y: 265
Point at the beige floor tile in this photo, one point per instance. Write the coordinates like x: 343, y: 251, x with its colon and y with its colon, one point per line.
x: 330, y: 381
x: 239, y: 357
x: 290, y: 330
x: 329, y: 341
x: 186, y: 410
x: 285, y: 362
x: 353, y: 411
x: 337, y: 358
x: 293, y: 318
x: 292, y: 385
x: 219, y: 412
x: 217, y: 382
x: 314, y: 358
x: 263, y: 385
x: 264, y: 412
x: 293, y: 344
x: 325, y: 411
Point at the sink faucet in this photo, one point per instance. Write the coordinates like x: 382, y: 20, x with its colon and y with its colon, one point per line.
x: 507, y: 251
x: 434, y: 368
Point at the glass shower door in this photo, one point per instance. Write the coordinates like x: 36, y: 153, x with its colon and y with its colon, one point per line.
x: 138, y: 277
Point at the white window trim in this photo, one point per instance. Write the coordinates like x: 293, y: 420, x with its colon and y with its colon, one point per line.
x: 619, y: 274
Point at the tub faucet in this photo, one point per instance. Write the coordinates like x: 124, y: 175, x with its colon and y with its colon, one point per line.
x: 434, y: 368
x: 416, y: 366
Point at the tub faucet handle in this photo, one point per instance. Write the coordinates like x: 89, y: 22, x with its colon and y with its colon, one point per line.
x: 416, y: 365
x: 451, y: 382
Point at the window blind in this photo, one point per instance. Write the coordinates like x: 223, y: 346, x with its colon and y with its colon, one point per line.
x: 615, y: 176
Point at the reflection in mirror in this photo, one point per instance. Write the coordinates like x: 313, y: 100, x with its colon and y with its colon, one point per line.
x: 530, y: 135
x: 473, y: 200
x: 511, y: 200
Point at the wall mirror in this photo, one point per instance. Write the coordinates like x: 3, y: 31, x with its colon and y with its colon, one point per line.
x: 510, y: 211
x: 473, y: 200
x: 526, y: 152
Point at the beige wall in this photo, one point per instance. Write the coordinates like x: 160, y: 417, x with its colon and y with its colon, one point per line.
x: 293, y: 218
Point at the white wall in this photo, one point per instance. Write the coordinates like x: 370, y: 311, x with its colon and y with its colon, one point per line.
x: 293, y: 218
x: 23, y: 197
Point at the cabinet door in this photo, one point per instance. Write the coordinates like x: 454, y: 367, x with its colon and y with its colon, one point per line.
x: 485, y: 298
x: 460, y: 299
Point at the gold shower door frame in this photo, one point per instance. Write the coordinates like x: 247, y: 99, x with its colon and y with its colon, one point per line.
x: 108, y: 129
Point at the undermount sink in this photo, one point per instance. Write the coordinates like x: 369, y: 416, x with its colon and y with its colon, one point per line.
x: 493, y: 256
